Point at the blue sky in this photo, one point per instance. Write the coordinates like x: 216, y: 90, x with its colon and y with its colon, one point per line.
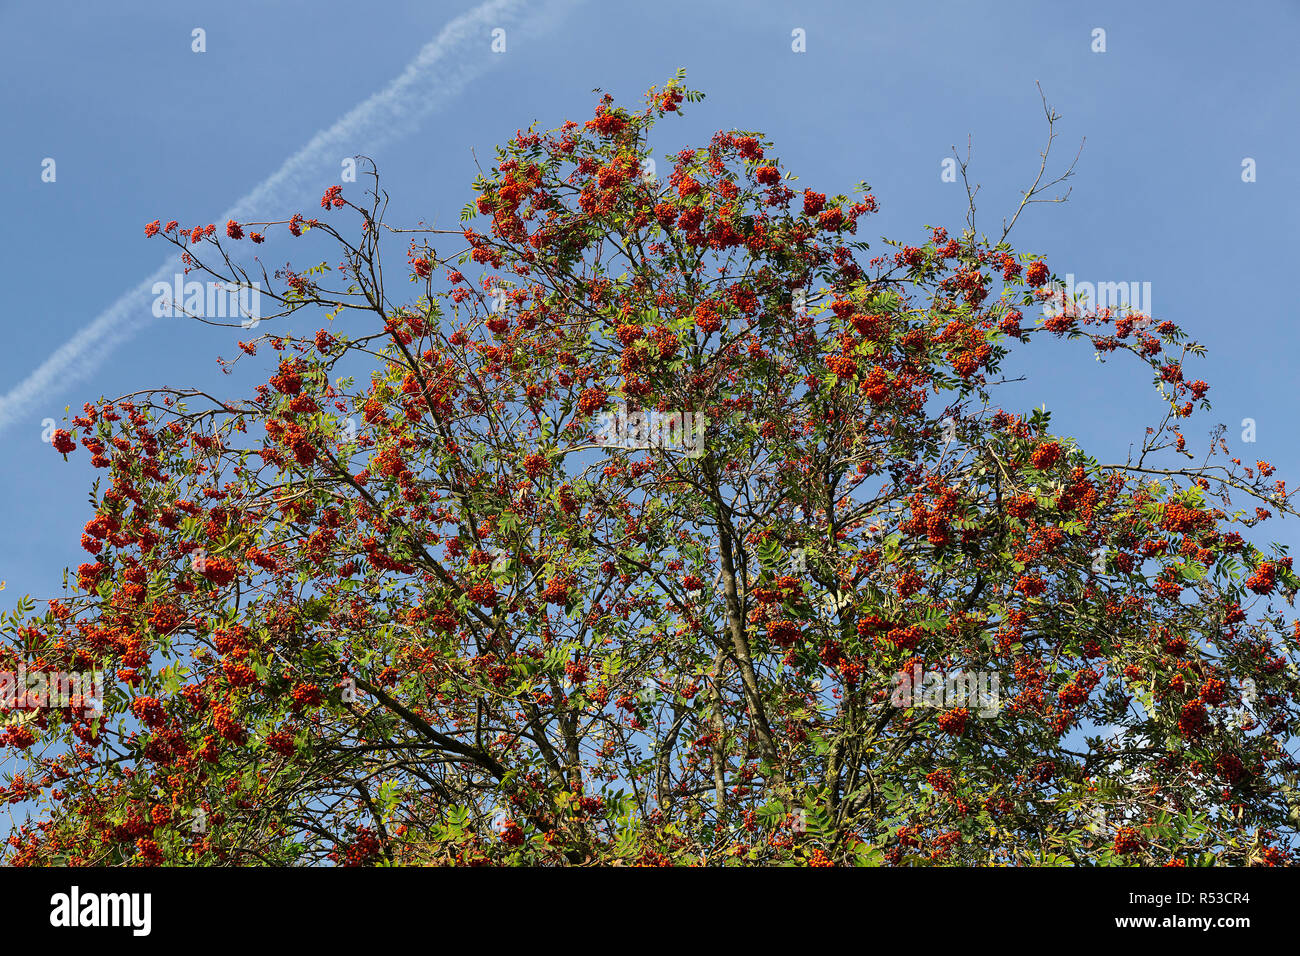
x: 141, y: 127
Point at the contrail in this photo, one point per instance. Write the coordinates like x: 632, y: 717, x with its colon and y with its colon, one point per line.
x: 441, y: 69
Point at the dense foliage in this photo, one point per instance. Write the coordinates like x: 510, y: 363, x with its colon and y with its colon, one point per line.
x: 414, y: 601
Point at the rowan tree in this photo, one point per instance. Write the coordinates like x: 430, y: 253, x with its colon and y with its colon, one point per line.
x: 408, y: 602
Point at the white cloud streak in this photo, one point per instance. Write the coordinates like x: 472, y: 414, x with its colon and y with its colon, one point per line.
x: 438, y: 73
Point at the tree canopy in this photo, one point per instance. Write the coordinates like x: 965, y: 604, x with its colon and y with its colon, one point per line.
x: 656, y: 519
